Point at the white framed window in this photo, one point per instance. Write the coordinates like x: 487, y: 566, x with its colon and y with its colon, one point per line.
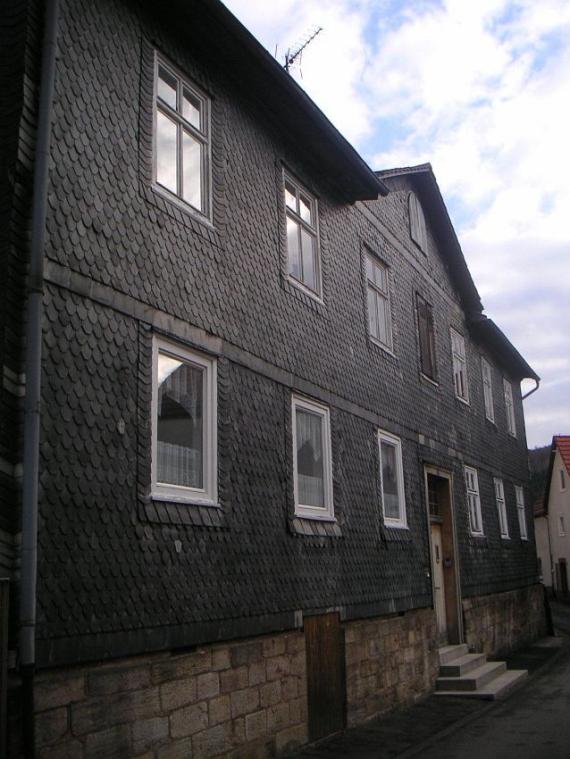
x: 521, y: 513
x: 487, y: 389
x: 184, y: 424
x: 501, y: 507
x: 509, y: 407
x: 418, y: 231
x: 561, y: 525
x: 378, y: 300
x: 459, y: 366
x: 312, y: 459
x: 392, y: 480
x: 181, y: 138
x: 303, y: 257
x: 473, y: 501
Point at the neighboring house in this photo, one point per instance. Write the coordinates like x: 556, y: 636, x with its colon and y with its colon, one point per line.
x: 552, y: 520
x: 277, y: 449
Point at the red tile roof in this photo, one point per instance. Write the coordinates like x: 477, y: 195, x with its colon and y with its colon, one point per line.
x: 562, y: 442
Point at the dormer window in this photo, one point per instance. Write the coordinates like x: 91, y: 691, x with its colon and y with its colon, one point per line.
x: 418, y: 231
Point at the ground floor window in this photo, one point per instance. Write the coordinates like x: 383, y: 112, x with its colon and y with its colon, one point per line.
x: 184, y: 461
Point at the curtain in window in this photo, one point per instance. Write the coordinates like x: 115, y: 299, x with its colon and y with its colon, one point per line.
x: 310, y: 467
x: 390, y: 481
x: 180, y: 423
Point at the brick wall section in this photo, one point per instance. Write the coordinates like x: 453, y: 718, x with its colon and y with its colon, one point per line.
x: 239, y: 700
x: 390, y: 662
x: 500, y: 623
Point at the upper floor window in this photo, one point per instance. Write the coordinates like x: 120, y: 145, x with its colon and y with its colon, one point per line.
x: 459, y: 366
x: 501, y: 507
x: 427, y: 338
x: 418, y: 231
x: 379, y: 312
x: 182, y: 138
x: 519, y: 495
x: 392, y: 480
x: 562, y: 480
x: 473, y: 501
x: 302, y: 236
x: 184, y: 461
x: 510, y: 409
x: 487, y: 389
x: 312, y: 460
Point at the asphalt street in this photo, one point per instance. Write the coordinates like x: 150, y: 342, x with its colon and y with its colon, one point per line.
x: 533, y: 722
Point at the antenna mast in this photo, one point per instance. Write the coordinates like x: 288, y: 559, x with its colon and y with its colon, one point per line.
x: 292, y: 56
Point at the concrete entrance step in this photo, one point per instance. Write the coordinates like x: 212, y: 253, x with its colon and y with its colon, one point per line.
x: 448, y: 653
x: 497, y: 688
x: 472, y: 676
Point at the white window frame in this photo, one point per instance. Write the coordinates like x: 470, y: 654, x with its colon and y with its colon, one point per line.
x: 509, y: 408
x: 208, y: 494
x: 521, y: 512
x: 202, y: 135
x: 501, y: 507
x: 459, y: 360
x: 402, y: 521
x: 561, y: 525
x: 473, y: 501
x: 325, y: 513
x: 487, y: 377
x: 310, y: 229
x: 379, y: 294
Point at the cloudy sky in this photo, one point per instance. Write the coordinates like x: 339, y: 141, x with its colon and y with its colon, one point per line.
x: 481, y: 90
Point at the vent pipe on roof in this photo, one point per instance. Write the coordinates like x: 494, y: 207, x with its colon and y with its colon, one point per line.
x: 33, y: 358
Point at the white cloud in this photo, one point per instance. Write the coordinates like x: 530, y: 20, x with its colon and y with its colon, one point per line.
x: 480, y: 90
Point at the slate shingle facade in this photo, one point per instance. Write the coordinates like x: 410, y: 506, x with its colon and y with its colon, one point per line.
x: 121, y: 574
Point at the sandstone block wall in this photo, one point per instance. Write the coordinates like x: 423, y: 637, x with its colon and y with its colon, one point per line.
x: 502, y: 622
x: 241, y: 700
x: 390, y: 662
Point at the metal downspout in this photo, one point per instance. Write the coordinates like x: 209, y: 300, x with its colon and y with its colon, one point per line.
x: 33, y: 346
x: 530, y: 392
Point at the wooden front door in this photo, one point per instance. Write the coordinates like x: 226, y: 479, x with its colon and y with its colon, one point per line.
x: 444, y: 571
x: 324, y: 640
x: 438, y: 582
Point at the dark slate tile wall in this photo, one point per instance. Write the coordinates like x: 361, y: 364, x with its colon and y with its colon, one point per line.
x: 121, y: 574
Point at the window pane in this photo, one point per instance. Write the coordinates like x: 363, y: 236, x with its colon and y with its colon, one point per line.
x: 180, y: 423
x: 308, y: 253
x: 167, y: 87
x: 290, y: 196
x: 191, y: 109
x: 191, y: 171
x: 305, y: 209
x: 380, y: 277
x: 166, y: 131
x: 369, y: 269
x: 372, y: 313
x: 383, y: 323
x: 310, y: 472
x: 293, y: 249
x: 390, y: 481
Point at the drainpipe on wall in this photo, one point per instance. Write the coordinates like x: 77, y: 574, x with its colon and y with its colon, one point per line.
x: 530, y: 392
x: 33, y: 345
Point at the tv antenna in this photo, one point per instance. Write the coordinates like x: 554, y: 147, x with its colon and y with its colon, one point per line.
x: 292, y: 55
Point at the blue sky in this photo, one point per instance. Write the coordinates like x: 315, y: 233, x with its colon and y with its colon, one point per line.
x: 481, y: 90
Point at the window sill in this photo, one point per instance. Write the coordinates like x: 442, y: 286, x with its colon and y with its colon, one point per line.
x: 182, y: 205
x: 429, y: 380
x: 463, y: 401
x: 185, y: 500
x: 167, y: 511
x: 383, y: 348
x: 315, y: 527
x: 304, y: 289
